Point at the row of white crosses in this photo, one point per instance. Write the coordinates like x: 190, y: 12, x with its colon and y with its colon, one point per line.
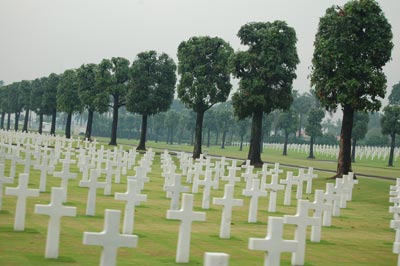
x: 395, y: 222
x: 56, y: 210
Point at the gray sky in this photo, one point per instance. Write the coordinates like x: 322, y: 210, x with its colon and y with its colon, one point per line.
x: 39, y: 37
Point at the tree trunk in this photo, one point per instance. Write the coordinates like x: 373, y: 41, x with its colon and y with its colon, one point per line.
x: 353, y: 150
x: 208, y: 137
x: 89, y: 124
x: 344, y: 160
x: 26, y: 119
x: 17, y: 114
x: 223, y: 139
x: 40, y: 124
x: 192, y: 138
x: 285, y: 144
x: 3, y: 116
x: 311, y: 155
x: 262, y: 142
x: 114, y: 126
x: 392, y: 146
x: 256, y: 127
x: 171, y: 140
x: 300, y: 123
x: 241, y: 143
x: 53, y: 122
x: 198, y: 135
x: 216, y: 137
x: 156, y: 135
x: 8, y: 121
x: 68, y: 126
x: 142, y: 142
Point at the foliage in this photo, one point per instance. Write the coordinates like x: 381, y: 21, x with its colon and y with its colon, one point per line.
x: 394, y: 97
x: 390, y: 120
x: 37, y: 92
x: 287, y: 121
x: 67, y: 91
x: 360, y: 125
x: 374, y: 137
x: 313, y: 127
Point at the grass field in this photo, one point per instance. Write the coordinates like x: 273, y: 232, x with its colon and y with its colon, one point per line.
x: 360, y: 237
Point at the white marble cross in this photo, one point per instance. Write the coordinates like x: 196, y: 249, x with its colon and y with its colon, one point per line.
x: 273, y: 188
x: 289, y: 182
x: 196, y: 172
x: 216, y: 259
x: 22, y: 192
x: 228, y: 202
x: 176, y: 189
x: 309, y: 178
x: 333, y: 199
x: 207, y: 183
x: 319, y: 206
x: 186, y: 215
x: 140, y: 176
x: 28, y: 161
x: 300, y: 178
x: 65, y: 175
x: 231, y: 177
x: 301, y: 220
x: 273, y: 244
x: 132, y: 197
x: 56, y: 211
x: 3, y: 180
x: 255, y: 192
x: 44, y: 168
x: 248, y: 176
x: 93, y: 184
x: 110, y: 238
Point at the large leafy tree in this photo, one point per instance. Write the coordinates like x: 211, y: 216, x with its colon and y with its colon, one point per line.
x: 151, y: 87
x: 36, y: 102
x: 16, y: 102
x: 92, y: 97
x: 25, y: 87
x: 302, y: 104
x: 287, y: 122
x: 360, y: 128
x: 113, y: 76
x: 242, y: 127
x: 314, y: 127
x: 394, y: 97
x: 352, y: 45
x: 390, y: 123
x: 266, y: 71
x: 67, y: 97
x: 3, y: 105
x: 205, y: 77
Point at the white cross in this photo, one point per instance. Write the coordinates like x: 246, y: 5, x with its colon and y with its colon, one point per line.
x: 176, y: 189
x: 22, y: 192
x: 207, y: 183
x: 331, y: 198
x: 273, y: 244
x: 300, y: 178
x: 3, y: 180
x: 65, y: 175
x: 186, y: 215
x: 93, y: 184
x: 44, y: 169
x: 132, y: 196
x: 301, y: 220
x: 216, y: 259
x: 27, y: 162
x: 255, y: 192
x: 273, y: 188
x: 248, y: 176
x: 140, y: 176
x: 196, y: 172
x: 319, y: 206
x: 228, y: 202
x: 309, y: 178
x: 56, y: 211
x: 231, y: 177
x: 110, y: 238
x: 289, y: 182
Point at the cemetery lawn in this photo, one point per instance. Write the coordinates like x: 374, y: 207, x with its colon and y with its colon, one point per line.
x: 359, y: 237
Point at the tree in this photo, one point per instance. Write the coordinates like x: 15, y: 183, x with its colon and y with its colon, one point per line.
x: 3, y: 105
x: 242, y: 127
x: 210, y: 123
x: 171, y: 119
x: 25, y: 89
x: 50, y: 98
x: 205, y: 77
x: 394, y: 97
x: 16, y: 102
x: 314, y: 127
x: 352, y: 45
x: 390, y: 123
x: 67, y: 97
x: 266, y: 71
x: 225, y: 118
x: 288, y: 123
x: 360, y: 128
x: 92, y: 97
x: 113, y: 76
x: 151, y: 88
x: 36, y: 102
x: 302, y: 104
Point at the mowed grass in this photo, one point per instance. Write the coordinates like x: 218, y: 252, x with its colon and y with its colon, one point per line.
x: 360, y: 236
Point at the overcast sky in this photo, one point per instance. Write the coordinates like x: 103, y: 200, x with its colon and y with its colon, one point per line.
x: 39, y: 37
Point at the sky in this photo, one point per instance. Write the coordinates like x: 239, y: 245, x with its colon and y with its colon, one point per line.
x: 39, y: 37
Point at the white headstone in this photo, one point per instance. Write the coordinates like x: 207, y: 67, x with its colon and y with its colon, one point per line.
x: 333, y: 199
x: 319, y: 206
x: 208, y: 183
x: 216, y: 259
x: 309, y: 178
x: 22, y: 192
x: 186, y: 215
x: 273, y: 244
x: 289, y: 182
x: 56, y: 211
x: 176, y: 189
x: 65, y: 175
x: 93, y: 184
x: 301, y: 220
x: 110, y: 238
x: 228, y: 202
x: 44, y: 168
x: 255, y: 192
x: 273, y: 188
x: 132, y: 197
x: 3, y: 180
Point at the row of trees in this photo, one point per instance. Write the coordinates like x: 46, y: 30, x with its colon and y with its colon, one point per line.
x: 352, y: 45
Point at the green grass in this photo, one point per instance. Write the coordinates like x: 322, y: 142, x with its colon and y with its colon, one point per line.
x: 360, y: 237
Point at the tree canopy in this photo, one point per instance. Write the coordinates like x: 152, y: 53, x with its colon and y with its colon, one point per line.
x: 390, y: 123
x: 394, y: 97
